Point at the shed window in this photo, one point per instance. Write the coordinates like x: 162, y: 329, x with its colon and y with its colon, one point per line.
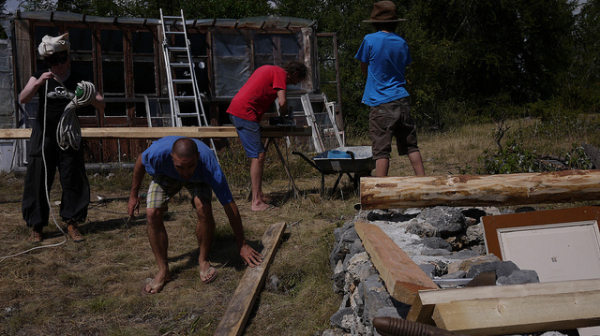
x: 144, y: 79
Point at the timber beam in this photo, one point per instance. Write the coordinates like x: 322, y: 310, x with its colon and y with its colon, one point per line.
x: 159, y: 132
x: 479, y: 190
x: 511, y: 309
x: 403, y: 278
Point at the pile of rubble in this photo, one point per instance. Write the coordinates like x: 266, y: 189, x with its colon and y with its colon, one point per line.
x: 447, y: 243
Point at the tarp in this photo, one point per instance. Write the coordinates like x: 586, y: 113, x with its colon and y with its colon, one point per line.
x: 7, y: 96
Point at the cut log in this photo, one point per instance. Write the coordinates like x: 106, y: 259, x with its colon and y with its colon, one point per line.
x: 479, y: 190
x: 241, y: 303
x: 159, y: 132
x: 402, y: 277
x: 509, y: 309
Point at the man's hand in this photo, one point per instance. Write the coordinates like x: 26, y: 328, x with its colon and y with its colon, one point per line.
x: 250, y: 256
x: 133, y: 207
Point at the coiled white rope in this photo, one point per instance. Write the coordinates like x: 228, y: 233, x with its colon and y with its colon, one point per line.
x: 68, y: 132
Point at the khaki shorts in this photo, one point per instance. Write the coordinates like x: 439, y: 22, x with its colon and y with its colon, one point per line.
x: 392, y: 120
x: 162, y: 188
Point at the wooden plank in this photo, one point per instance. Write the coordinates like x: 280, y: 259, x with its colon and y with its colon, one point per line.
x: 159, y: 132
x: 520, y: 315
x: 241, y: 303
x: 423, y: 307
x: 479, y: 190
x: 403, y: 278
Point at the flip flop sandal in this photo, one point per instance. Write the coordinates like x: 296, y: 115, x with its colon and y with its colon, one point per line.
x: 204, y: 276
x: 154, y: 288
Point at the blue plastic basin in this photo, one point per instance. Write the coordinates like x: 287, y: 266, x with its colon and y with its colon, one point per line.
x: 336, y: 154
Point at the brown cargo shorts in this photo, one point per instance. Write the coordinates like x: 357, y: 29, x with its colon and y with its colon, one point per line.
x: 392, y: 120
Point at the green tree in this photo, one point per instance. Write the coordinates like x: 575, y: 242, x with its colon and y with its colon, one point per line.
x: 582, y: 83
x: 478, y: 49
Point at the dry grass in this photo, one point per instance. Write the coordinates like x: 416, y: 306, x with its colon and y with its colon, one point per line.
x: 94, y: 288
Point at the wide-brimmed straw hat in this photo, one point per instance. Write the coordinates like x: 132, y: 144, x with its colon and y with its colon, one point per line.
x: 384, y: 11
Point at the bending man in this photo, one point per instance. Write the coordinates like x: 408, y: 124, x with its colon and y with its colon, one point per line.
x: 175, y: 162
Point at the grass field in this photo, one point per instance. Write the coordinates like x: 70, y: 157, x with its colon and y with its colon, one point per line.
x: 95, y: 287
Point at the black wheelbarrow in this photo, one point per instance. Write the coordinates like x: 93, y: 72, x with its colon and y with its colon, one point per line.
x: 352, y: 161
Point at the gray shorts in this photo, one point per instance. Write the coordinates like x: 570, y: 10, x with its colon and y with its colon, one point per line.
x: 162, y: 188
x: 392, y: 120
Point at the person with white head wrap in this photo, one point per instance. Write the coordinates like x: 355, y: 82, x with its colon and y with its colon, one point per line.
x: 55, y: 88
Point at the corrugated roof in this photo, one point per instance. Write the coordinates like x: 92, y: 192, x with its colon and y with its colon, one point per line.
x: 260, y: 22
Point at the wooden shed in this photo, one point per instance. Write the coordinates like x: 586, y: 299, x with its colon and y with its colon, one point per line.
x: 124, y: 57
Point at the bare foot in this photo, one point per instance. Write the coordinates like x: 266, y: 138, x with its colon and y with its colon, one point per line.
x: 155, y: 285
x: 261, y: 206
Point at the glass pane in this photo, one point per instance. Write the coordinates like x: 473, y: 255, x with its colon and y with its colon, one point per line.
x: 80, y: 39
x: 113, y: 76
x: 230, y: 76
x: 143, y: 42
x: 111, y: 40
x: 230, y: 45
x: 143, y: 76
x: 83, y: 68
x: 198, y: 44
x: 41, y: 31
x: 115, y: 109
x: 289, y: 44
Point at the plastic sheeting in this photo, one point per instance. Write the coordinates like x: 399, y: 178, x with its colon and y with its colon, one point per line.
x: 7, y: 95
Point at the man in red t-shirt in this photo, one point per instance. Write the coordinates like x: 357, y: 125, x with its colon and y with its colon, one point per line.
x: 266, y: 84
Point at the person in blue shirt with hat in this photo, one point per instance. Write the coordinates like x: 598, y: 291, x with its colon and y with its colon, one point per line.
x: 384, y: 56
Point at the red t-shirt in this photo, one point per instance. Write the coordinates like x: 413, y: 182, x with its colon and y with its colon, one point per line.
x: 259, y: 92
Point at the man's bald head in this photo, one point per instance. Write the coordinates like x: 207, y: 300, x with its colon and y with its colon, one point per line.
x: 185, y: 148
x: 185, y: 157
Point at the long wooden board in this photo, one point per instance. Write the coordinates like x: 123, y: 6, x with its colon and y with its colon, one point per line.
x: 159, y: 132
x: 241, y: 303
x: 479, y: 190
x: 428, y: 300
x: 520, y: 315
x: 403, y: 278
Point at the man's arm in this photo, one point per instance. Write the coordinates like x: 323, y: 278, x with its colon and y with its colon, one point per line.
x: 364, y: 67
x: 32, y: 87
x: 99, y: 101
x: 282, y: 98
x: 138, y: 177
x: 248, y: 254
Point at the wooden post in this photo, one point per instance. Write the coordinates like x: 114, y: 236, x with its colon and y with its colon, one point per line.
x: 479, y: 190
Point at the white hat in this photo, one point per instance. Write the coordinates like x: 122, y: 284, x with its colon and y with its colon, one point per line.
x: 51, y: 45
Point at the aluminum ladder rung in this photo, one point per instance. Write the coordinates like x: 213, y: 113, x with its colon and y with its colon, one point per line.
x: 183, y: 114
x: 185, y: 98
x: 175, y: 32
x: 182, y: 81
x: 180, y: 65
x: 176, y: 48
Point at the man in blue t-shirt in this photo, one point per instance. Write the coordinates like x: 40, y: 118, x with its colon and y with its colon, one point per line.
x: 384, y: 56
x: 175, y: 162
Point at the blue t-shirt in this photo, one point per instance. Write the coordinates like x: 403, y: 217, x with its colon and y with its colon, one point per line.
x: 387, y: 56
x: 157, y: 161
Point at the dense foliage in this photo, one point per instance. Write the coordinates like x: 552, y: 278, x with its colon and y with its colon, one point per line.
x: 484, y: 59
